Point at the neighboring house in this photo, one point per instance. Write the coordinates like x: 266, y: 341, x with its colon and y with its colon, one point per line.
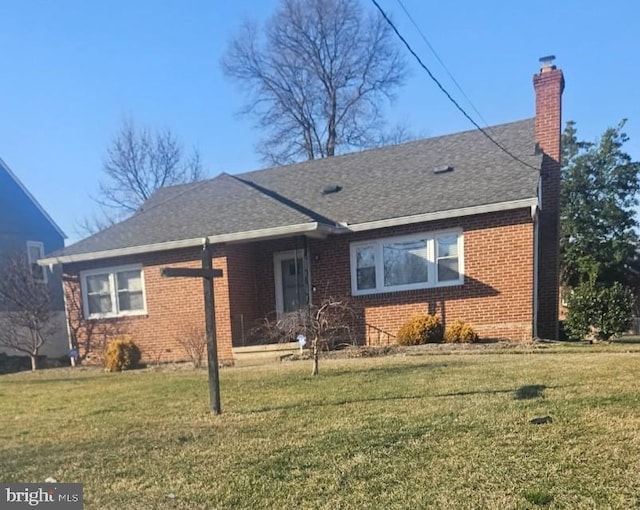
x: 26, y: 228
x: 450, y: 225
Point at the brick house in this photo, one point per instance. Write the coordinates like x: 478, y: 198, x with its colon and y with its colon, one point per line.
x: 451, y: 225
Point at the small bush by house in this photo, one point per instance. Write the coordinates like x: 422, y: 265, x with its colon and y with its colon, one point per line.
x: 122, y: 355
x: 459, y: 332
x: 421, y: 329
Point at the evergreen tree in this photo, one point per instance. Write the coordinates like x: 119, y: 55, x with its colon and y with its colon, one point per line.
x: 599, y: 242
x: 600, y: 185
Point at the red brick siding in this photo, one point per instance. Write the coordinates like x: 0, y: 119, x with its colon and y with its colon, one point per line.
x: 496, y: 298
x: 242, y: 279
x: 549, y: 86
x: 174, y: 305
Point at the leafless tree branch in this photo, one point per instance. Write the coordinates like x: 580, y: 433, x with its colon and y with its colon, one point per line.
x: 26, y: 312
x: 139, y: 162
x: 88, y: 337
x: 324, y: 325
x: 315, y: 77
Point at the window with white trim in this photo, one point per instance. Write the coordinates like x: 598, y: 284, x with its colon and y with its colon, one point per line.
x: 35, y: 251
x: 113, y: 292
x: 409, y: 262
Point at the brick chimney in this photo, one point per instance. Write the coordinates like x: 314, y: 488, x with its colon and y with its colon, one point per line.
x: 548, y: 85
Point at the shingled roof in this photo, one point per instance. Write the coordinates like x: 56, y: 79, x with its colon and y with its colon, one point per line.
x: 390, y: 183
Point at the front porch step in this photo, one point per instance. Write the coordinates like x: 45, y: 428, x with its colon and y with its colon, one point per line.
x: 263, y: 354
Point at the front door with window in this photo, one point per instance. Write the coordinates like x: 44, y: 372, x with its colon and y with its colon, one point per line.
x: 291, y: 269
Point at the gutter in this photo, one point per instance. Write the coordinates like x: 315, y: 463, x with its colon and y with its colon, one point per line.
x: 440, y: 215
x: 314, y: 229
x: 311, y: 229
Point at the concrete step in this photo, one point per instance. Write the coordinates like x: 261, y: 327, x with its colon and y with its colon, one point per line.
x: 263, y: 354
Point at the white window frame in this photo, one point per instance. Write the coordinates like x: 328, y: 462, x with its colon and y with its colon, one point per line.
x: 430, y: 238
x: 111, y: 272
x: 40, y: 246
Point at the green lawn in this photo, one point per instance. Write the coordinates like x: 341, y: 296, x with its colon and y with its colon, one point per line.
x: 423, y: 431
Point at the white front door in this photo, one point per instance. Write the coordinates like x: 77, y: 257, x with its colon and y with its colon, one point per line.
x: 291, y: 270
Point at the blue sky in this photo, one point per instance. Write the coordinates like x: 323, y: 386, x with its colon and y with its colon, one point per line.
x: 72, y: 69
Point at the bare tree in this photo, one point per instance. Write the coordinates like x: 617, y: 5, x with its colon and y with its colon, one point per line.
x: 316, y: 77
x: 27, y: 317
x: 323, y: 326
x: 194, y: 342
x: 88, y: 338
x: 138, y: 163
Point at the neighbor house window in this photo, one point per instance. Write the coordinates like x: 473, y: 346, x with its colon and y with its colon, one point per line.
x: 35, y: 251
x: 408, y: 262
x: 113, y: 292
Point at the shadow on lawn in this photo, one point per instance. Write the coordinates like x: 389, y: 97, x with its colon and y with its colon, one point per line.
x: 400, y: 369
x: 337, y: 402
x: 26, y: 379
x: 528, y: 392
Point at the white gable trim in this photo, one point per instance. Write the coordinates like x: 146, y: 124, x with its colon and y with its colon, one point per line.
x: 31, y: 197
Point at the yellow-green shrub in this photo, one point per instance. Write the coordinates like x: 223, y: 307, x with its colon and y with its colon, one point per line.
x: 121, y: 355
x: 460, y: 333
x: 421, y: 329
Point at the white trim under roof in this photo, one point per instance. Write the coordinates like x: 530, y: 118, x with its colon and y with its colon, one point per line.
x: 31, y: 197
x: 313, y: 229
x: 440, y: 215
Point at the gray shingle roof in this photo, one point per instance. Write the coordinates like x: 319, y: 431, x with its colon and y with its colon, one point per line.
x: 221, y: 205
x: 377, y: 184
x: 398, y: 180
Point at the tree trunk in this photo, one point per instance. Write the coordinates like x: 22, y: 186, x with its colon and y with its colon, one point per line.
x: 314, y: 370
x: 332, y: 129
x: 34, y: 361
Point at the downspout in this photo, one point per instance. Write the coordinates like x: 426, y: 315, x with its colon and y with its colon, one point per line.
x: 307, y: 264
x: 66, y: 315
x: 536, y: 270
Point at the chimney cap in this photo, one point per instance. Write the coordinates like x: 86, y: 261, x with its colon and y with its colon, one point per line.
x: 547, y: 61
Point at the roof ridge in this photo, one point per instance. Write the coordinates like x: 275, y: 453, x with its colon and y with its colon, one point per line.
x: 385, y: 147
x: 143, y: 211
x: 187, y: 185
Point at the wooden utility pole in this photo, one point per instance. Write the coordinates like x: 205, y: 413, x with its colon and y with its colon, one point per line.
x: 207, y: 273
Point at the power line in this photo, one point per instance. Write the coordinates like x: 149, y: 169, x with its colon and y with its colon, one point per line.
x: 435, y: 54
x: 446, y: 93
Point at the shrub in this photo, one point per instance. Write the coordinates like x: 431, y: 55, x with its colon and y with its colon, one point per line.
x: 194, y: 343
x: 421, y: 329
x: 122, y: 355
x: 460, y: 333
x: 603, y: 311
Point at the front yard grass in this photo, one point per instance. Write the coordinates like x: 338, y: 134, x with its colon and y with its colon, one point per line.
x: 426, y: 431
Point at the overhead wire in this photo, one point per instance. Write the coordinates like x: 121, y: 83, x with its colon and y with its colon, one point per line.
x: 435, y: 54
x: 446, y: 93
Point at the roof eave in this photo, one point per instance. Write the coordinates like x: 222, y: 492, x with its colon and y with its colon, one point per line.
x: 440, y: 215
x: 312, y: 229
